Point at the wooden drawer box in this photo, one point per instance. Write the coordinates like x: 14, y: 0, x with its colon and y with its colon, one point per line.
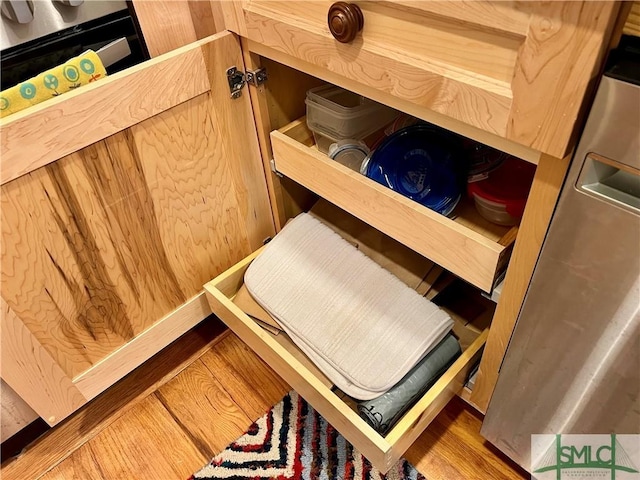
x: 293, y: 366
x: 507, y: 68
x: 468, y: 245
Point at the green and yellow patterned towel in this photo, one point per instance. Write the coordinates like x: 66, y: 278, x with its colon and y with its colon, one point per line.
x: 70, y: 75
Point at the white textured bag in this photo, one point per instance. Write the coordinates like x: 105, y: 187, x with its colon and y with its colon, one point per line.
x: 363, y: 327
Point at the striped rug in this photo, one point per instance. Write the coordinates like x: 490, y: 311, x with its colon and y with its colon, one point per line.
x: 292, y: 441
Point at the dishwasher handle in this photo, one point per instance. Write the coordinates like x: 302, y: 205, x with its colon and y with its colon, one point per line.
x: 611, y: 181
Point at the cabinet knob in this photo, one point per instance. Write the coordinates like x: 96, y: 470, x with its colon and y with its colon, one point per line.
x: 345, y: 21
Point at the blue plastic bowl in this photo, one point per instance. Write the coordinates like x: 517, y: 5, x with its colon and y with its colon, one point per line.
x: 420, y: 163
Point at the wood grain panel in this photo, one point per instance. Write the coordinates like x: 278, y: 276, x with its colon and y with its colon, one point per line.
x: 132, y: 354
x: 15, y: 413
x: 207, y: 18
x: 165, y: 25
x: 514, y: 78
x: 549, y: 90
x: 84, y: 253
x: 235, y: 125
x: 102, y: 244
x: 48, y: 131
x: 210, y: 417
x: 169, y: 25
x: 143, y: 446
x: 32, y: 373
x: 501, y: 16
x: 632, y: 25
x: 252, y: 383
x: 467, y: 96
x: 60, y: 442
x: 542, y: 200
x: 190, y: 179
x: 444, y: 121
x: 463, y: 47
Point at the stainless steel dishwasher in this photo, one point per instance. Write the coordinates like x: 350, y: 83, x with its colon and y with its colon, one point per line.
x: 573, y: 363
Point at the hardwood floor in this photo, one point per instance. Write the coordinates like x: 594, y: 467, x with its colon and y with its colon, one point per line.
x: 171, y: 431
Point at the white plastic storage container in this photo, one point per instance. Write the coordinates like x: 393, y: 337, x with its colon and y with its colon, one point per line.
x: 336, y: 114
x: 323, y: 140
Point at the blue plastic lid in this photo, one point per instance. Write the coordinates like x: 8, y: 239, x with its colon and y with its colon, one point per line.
x: 419, y: 162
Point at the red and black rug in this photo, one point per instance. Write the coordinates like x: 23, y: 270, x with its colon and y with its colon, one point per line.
x: 293, y: 442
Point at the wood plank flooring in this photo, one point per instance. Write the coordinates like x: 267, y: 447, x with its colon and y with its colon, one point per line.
x: 171, y: 432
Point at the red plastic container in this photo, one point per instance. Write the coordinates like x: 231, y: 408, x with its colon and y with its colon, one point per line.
x: 501, y: 197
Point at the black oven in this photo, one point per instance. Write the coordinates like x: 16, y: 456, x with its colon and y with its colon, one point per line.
x: 41, y: 34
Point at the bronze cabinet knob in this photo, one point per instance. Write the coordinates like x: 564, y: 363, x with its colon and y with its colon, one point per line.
x: 345, y: 21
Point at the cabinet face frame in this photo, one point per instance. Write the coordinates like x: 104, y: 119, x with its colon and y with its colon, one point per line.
x: 179, y: 97
x: 546, y: 187
x: 533, y: 108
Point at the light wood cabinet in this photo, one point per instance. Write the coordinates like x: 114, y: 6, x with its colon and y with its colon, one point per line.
x: 115, y: 213
x: 518, y: 70
x: 120, y: 200
x: 15, y: 414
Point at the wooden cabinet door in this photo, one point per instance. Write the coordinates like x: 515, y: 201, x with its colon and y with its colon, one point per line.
x: 518, y: 70
x: 118, y: 202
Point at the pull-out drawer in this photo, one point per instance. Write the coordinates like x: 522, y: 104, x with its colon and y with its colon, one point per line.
x: 467, y: 245
x: 293, y: 366
x: 507, y: 68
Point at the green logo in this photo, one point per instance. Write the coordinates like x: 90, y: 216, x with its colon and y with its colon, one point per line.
x: 582, y: 456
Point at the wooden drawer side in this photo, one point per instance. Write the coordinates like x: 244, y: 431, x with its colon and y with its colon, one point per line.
x: 470, y: 254
x: 290, y: 368
x: 425, y: 411
x: 295, y: 368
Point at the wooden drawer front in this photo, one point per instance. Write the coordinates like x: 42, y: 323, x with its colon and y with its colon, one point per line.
x: 467, y: 245
x: 504, y: 67
x: 285, y: 358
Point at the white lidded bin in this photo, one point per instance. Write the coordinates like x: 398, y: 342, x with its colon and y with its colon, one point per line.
x: 338, y: 113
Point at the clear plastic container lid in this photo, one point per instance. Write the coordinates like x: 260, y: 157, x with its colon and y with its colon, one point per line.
x: 339, y: 113
x: 338, y: 99
x: 349, y: 152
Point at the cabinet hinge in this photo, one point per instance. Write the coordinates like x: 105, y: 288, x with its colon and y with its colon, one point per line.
x: 238, y: 79
x: 257, y: 77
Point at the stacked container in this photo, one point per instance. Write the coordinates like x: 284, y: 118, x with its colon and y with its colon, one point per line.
x: 335, y: 114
